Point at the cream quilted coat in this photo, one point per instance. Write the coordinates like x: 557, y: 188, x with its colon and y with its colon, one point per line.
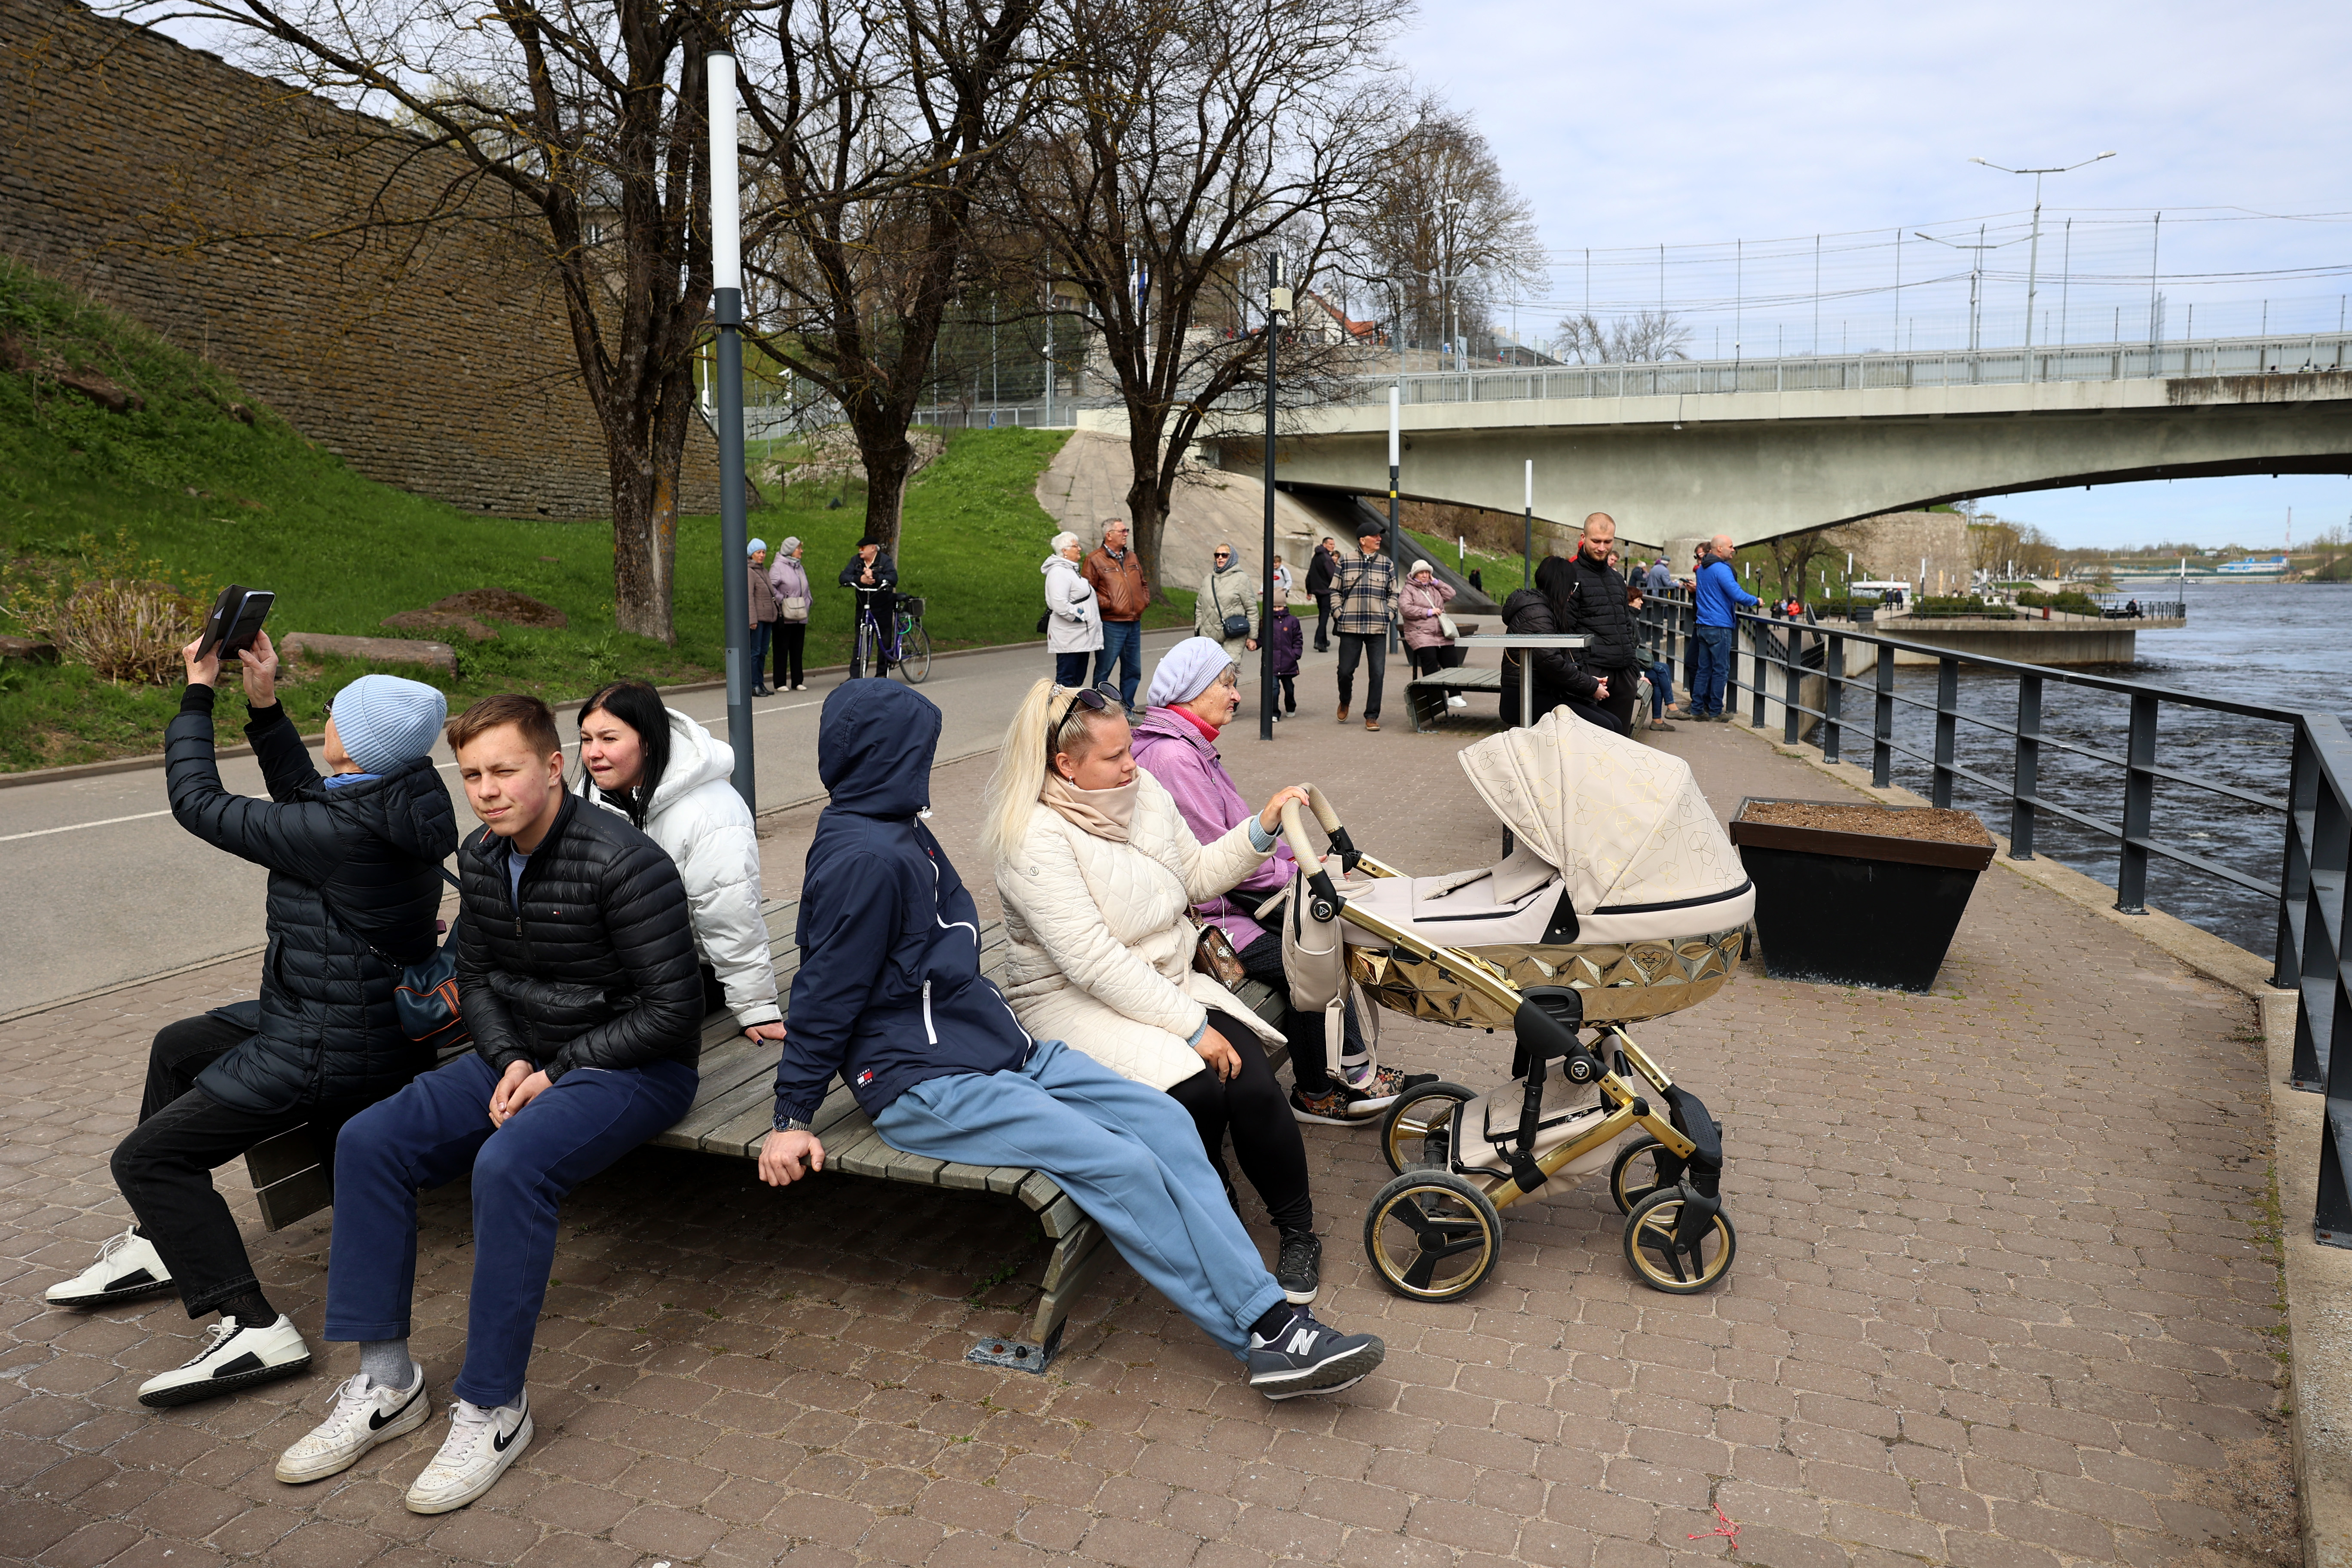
x: 1102, y: 951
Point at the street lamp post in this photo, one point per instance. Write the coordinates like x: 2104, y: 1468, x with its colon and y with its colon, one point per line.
x: 1277, y: 306
x: 2033, y: 253
x: 1975, y: 271
x: 727, y: 307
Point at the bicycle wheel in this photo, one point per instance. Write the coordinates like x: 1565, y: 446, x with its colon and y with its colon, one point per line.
x: 914, y: 652
x: 862, y: 656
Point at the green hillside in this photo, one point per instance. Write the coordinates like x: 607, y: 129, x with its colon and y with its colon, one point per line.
x: 213, y: 498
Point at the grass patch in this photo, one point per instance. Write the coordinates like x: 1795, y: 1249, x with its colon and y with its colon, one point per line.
x: 1502, y: 574
x: 219, y: 489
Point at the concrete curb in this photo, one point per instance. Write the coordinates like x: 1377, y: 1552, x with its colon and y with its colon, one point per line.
x: 2319, y: 1336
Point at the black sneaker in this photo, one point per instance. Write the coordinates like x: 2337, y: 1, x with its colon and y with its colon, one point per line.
x: 1309, y: 1357
x: 1298, y: 1268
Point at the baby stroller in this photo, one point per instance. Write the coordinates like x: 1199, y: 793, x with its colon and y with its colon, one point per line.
x: 1620, y: 899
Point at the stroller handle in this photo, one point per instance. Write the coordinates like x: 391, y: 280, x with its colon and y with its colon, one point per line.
x: 1327, y: 815
x: 1326, y: 901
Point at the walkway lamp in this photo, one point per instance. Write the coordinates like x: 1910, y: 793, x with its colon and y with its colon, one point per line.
x: 727, y: 307
x: 2033, y: 254
x: 1277, y: 306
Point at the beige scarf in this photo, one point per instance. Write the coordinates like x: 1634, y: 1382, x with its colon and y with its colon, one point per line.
x: 1104, y: 813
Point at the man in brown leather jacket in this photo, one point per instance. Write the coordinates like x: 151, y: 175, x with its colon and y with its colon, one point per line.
x: 1117, y: 574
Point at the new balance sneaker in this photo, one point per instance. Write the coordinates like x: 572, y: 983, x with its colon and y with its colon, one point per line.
x: 365, y: 1414
x: 1299, y: 1267
x: 128, y: 1267
x: 1348, y: 1104
x: 235, y: 1356
x: 481, y: 1443
x: 1309, y: 1357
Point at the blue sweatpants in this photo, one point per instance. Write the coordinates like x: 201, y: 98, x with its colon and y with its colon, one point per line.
x: 439, y: 1129
x: 1714, y: 651
x: 1130, y: 1156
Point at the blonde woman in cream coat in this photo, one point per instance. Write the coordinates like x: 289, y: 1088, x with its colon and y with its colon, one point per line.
x: 1098, y: 871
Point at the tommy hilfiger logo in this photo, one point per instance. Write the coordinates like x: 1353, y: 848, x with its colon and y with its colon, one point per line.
x: 866, y: 1077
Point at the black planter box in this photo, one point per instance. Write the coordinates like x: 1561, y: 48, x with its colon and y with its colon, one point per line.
x: 1854, y: 909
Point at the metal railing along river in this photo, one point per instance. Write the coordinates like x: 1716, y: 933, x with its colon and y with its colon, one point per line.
x: 2309, y: 953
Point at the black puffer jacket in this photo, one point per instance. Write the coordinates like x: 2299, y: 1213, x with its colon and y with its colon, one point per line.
x: 373, y: 850
x: 1559, y: 677
x: 597, y: 968
x: 1596, y: 606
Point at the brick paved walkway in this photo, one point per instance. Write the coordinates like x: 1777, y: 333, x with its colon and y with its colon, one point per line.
x: 2004, y: 1300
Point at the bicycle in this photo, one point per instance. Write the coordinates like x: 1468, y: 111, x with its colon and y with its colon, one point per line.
x: 907, y: 648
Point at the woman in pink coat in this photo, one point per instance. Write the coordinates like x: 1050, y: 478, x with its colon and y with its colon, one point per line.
x: 1420, y: 603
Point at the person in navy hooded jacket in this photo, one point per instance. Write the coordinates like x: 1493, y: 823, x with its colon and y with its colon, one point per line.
x: 890, y: 994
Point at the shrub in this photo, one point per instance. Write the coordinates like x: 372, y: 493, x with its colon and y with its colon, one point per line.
x: 105, y: 608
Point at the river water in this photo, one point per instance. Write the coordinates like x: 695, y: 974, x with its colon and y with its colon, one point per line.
x: 2287, y: 646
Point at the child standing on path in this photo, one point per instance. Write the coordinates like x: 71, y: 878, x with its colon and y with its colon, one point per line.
x: 1289, y: 645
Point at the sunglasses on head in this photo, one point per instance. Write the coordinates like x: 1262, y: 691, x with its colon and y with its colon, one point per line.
x: 1093, y: 698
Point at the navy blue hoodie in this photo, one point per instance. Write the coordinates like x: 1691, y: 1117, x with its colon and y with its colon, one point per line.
x: 889, y: 992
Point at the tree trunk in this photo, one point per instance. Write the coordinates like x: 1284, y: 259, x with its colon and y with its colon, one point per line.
x: 890, y: 459
x: 645, y: 544
x: 1147, y: 506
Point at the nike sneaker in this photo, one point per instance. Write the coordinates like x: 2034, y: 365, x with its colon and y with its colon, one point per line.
x: 481, y: 1443
x: 365, y: 1414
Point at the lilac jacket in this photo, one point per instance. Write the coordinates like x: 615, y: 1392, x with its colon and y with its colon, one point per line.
x: 1168, y: 748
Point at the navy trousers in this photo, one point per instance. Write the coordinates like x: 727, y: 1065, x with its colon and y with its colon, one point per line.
x: 439, y: 1129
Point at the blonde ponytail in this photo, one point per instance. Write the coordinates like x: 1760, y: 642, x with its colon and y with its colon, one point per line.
x: 1021, y: 761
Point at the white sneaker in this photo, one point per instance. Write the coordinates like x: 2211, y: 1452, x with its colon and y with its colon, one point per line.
x: 128, y: 1266
x: 1455, y: 699
x: 365, y: 1414
x: 235, y: 1357
x: 481, y: 1446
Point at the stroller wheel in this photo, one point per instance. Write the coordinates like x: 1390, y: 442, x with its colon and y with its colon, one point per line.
x: 1433, y: 1235
x: 1667, y: 1260
x: 1642, y: 1167
x: 1417, y: 1134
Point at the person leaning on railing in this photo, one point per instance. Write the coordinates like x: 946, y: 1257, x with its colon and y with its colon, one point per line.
x: 1719, y: 597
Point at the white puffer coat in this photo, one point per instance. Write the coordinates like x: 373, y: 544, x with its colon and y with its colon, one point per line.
x: 1073, y: 615
x: 1102, y: 951
x: 703, y: 826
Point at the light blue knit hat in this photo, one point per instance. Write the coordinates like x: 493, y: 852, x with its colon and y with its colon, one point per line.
x: 384, y: 720
x: 755, y: 546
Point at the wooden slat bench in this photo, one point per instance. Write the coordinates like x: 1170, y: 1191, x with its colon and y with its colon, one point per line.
x: 731, y: 1114
x: 1425, y: 695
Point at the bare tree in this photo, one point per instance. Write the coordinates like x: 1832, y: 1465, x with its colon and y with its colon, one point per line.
x: 885, y: 118
x: 589, y: 114
x: 1184, y: 143
x: 1645, y: 336
x: 1444, y: 235
x: 1793, y: 555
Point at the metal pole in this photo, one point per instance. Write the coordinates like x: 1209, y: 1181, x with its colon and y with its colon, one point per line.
x: 1277, y: 304
x: 1528, y: 543
x: 1395, y: 444
x: 2032, y: 263
x: 726, y: 306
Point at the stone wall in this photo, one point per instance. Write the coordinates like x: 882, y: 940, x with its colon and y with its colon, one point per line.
x: 227, y: 212
x: 1890, y: 547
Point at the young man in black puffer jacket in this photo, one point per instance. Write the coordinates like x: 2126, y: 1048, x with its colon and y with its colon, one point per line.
x: 1597, y: 604
x: 577, y: 976
x: 354, y: 860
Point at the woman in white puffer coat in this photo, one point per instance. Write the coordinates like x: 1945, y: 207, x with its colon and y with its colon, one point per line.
x: 669, y: 776
x: 1074, y: 632
x: 1097, y: 873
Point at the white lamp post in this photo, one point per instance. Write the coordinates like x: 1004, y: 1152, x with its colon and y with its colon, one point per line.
x: 727, y: 307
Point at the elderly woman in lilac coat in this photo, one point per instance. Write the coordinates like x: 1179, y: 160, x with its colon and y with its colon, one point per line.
x: 1194, y: 694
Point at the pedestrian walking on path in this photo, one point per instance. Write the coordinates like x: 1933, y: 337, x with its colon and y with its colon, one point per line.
x: 788, y: 580
x: 355, y: 879
x: 1122, y: 595
x: 1074, y: 630
x: 1720, y: 597
x: 576, y: 975
x: 1365, y: 590
x: 1289, y: 645
x: 1318, y: 588
x: 889, y: 997
x: 1227, y: 607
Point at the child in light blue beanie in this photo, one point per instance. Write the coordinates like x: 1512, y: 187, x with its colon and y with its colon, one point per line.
x: 380, y: 721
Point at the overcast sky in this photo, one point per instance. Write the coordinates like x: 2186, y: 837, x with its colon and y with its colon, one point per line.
x: 1695, y: 125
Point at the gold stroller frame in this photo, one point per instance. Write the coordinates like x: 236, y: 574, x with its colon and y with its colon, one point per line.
x: 1433, y: 1233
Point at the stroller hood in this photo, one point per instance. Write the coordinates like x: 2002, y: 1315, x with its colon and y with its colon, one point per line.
x: 1634, y: 842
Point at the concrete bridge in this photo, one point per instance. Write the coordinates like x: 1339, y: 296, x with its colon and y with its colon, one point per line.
x: 1762, y: 449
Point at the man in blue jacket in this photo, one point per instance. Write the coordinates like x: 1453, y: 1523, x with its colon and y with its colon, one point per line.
x: 889, y: 996
x: 1719, y: 594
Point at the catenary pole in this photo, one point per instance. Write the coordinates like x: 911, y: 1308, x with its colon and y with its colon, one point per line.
x: 726, y: 306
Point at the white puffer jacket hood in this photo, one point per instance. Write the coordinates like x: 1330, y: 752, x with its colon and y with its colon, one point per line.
x: 1101, y: 947
x: 1073, y: 614
x: 703, y: 826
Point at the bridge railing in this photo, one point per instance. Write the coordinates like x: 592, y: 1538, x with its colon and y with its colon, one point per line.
x: 1871, y: 372
x: 2309, y: 954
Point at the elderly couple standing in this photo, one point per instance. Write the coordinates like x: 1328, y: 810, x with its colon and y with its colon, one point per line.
x: 1094, y: 605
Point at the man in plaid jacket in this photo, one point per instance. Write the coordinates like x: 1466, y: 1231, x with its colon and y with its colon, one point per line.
x: 1365, y: 592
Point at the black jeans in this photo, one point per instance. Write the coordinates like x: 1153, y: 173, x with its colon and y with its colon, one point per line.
x: 1374, y: 653
x: 1289, y: 684
x: 1252, y: 1106
x: 1310, y: 1068
x: 1323, y: 623
x: 791, y: 638
x: 164, y: 1167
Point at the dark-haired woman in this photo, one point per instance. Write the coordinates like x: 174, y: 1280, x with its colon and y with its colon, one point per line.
x: 1560, y: 681
x: 668, y: 775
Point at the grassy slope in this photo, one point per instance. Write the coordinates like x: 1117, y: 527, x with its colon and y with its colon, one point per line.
x: 215, y: 500
x: 1501, y: 574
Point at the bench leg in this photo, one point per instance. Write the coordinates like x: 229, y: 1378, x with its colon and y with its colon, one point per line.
x: 1078, y: 1259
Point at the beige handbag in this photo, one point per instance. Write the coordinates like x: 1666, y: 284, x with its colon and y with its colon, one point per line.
x: 792, y: 609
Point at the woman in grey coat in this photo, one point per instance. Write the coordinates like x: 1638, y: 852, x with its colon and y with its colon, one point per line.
x: 1228, y: 591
